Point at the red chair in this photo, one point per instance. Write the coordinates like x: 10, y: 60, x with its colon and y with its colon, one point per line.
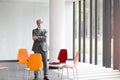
x: 71, y: 66
x: 62, y: 57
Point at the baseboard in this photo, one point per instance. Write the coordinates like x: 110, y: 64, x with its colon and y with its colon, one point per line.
x: 8, y: 60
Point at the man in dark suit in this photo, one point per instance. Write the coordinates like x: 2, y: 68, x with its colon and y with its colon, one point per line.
x: 40, y: 46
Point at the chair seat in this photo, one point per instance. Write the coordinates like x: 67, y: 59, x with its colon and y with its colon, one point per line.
x: 54, y: 63
x: 2, y: 67
x: 67, y: 66
x: 34, y: 69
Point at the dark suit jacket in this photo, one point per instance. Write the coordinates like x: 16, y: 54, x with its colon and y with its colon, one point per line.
x: 39, y: 44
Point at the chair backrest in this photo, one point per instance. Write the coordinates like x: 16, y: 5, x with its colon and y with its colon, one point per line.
x: 76, y: 58
x: 35, y: 61
x: 22, y: 54
x: 63, y: 56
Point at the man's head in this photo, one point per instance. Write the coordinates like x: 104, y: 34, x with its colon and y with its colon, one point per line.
x: 39, y: 22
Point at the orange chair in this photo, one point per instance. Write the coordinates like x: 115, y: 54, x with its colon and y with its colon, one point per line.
x: 22, y: 57
x: 62, y: 57
x: 34, y: 63
x: 71, y: 66
x: 5, y: 68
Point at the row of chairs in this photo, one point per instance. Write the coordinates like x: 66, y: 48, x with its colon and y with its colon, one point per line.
x: 62, y: 57
x: 32, y: 62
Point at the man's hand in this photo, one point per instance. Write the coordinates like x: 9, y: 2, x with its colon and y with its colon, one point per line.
x: 35, y: 37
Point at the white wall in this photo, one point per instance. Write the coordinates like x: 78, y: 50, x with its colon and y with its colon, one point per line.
x: 16, y: 23
x: 17, y: 19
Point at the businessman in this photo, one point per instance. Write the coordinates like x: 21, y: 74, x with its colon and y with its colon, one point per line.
x: 40, y: 46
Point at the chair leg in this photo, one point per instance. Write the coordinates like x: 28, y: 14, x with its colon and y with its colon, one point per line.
x: 8, y: 74
x: 62, y: 75
x: 24, y: 74
x: 40, y: 75
x: 58, y: 71
x: 17, y: 72
x: 27, y: 74
x: 76, y: 73
x: 73, y: 74
x: 67, y: 73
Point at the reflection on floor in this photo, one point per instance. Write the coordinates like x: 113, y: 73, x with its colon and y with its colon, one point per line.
x: 85, y: 72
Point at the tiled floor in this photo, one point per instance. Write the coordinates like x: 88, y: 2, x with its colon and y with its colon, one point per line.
x: 85, y: 72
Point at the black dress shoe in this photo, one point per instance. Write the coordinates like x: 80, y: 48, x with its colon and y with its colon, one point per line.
x: 46, y: 78
x: 35, y: 79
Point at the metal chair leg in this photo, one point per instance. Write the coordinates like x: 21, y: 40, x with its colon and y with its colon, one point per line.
x: 67, y: 73
x: 76, y: 73
x: 58, y: 71
x: 40, y: 75
x: 24, y: 74
x: 27, y: 75
x: 73, y: 74
x: 8, y: 74
x: 62, y: 75
x: 17, y: 72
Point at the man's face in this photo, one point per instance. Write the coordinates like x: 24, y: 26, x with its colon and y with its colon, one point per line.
x: 39, y: 23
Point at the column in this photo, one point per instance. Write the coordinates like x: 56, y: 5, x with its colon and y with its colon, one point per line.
x: 107, y: 33
x: 116, y: 26
x: 57, y: 28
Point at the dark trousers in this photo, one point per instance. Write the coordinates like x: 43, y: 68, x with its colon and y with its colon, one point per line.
x: 45, y: 68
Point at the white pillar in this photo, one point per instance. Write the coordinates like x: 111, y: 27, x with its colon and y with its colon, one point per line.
x: 57, y: 28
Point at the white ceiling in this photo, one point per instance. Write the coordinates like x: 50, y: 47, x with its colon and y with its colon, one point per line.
x: 42, y: 1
